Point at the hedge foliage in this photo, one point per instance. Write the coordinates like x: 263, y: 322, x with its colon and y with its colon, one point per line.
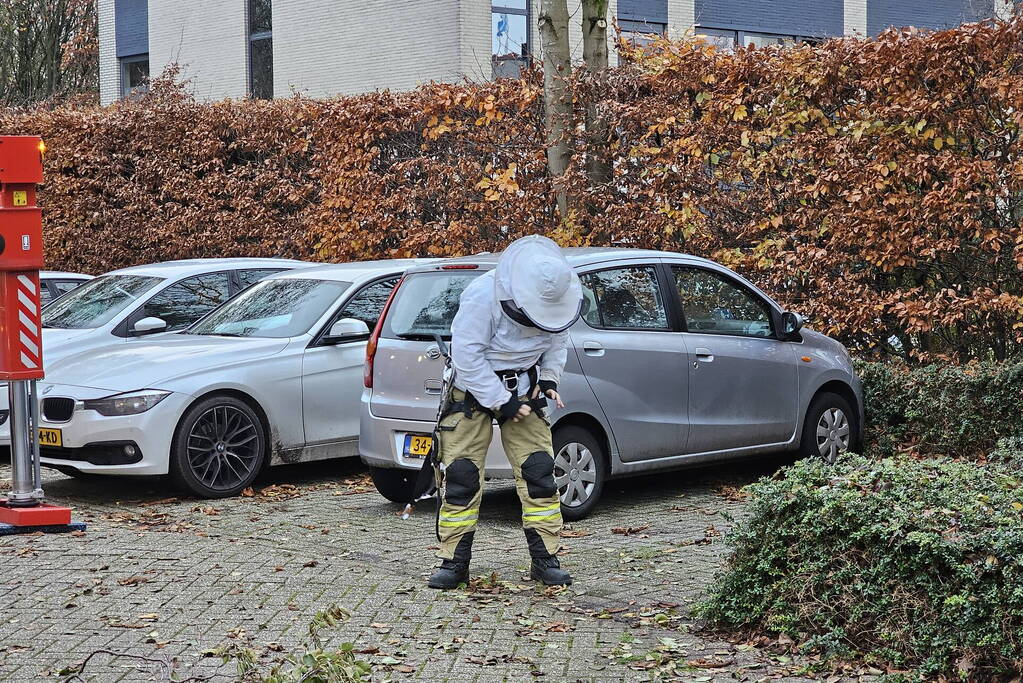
x: 875, y: 185
x: 957, y: 411
x: 911, y: 564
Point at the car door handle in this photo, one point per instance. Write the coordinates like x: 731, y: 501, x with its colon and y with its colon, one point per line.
x: 592, y: 348
x: 432, y: 386
x: 704, y: 355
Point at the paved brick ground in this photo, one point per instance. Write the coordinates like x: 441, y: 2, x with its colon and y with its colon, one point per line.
x: 171, y: 579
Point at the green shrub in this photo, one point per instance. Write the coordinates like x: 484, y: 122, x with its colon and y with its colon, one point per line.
x: 902, y: 562
x: 1009, y: 452
x: 958, y: 411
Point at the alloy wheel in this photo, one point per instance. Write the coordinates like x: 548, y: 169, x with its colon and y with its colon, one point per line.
x: 223, y: 447
x: 575, y: 474
x: 833, y: 434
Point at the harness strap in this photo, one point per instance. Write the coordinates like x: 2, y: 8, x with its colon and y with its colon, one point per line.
x: 469, y: 405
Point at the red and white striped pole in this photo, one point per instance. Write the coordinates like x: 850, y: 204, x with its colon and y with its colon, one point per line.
x: 21, y: 341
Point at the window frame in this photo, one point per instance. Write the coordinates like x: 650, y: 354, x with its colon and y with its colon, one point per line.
x: 122, y: 328
x: 774, y: 314
x: 251, y: 38
x: 334, y: 316
x: 236, y: 278
x: 497, y: 7
x: 670, y: 310
x: 738, y: 36
x: 123, y: 64
x: 52, y: 291
x: 50, y: 284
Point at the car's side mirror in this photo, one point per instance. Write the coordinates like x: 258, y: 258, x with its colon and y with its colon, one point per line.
x: 345, y: 330
x: 791, y: 324
x: 148, y: 325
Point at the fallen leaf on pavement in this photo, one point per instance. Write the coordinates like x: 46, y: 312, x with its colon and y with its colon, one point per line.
x: 574, y: 533
x: 133, y: 580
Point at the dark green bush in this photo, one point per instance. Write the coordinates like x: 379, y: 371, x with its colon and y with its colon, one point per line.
x: 909, y: 563
x: 958, y: 411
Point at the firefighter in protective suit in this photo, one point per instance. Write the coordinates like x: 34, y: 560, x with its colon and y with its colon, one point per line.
x: 508, y: 348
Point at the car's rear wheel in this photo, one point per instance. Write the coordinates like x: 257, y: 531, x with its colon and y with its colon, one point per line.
x: 580, y: 468
x: 219, y: 447
x: 829, y: 429
x: 393, y: 483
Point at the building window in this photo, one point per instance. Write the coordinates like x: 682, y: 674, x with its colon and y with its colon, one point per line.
x: 722, y: 39
x: 641, y: 33
x: 261, y: 51
x: 764, y: 39
x: 509, y: 21
x: 134, y: 75
x: 727, y: 39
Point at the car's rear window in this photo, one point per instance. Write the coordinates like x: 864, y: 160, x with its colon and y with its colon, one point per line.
x: 425, y: 304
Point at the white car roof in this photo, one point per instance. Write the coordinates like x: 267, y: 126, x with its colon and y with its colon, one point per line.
x: 582, y: 256
x: 354, y: 271
x: 58, y: 274
x: 187, y: 267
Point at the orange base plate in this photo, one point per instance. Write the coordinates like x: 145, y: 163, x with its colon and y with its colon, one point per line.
x: 37, y: 515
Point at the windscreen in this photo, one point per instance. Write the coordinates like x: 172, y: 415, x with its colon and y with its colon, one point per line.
x: 272, y: 308
x: 97, y: 301
x: 425, y: 304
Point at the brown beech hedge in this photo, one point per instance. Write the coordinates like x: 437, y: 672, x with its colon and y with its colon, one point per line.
x: 873, y: 185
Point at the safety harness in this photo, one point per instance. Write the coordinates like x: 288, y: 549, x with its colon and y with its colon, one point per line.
x: 469, y: 406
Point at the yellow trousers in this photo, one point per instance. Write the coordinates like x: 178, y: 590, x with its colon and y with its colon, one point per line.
x: 462, y: 452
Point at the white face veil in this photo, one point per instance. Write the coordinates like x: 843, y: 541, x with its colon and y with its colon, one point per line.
x: 536, y: 286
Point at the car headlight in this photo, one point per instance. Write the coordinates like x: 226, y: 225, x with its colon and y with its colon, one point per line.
x: 130, y: 403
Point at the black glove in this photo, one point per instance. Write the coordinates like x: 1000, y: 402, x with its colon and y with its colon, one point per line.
x: 547, y: 385
x: 509, y: 410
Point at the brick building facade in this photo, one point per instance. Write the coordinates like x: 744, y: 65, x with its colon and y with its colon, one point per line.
x: 272, y: 48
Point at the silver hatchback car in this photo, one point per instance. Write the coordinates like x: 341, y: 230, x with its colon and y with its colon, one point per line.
x: 676, y: 361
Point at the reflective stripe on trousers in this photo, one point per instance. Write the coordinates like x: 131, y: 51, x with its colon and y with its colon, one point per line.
x: 469, y: 438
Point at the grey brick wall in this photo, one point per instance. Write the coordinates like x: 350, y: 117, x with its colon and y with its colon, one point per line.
x: 797, y: 17
x: 474, y: 39
x: 109, y: 72
x: 209, y: 40
x: 855, y: 18
x: 323, y: 47
x: 681, y: 17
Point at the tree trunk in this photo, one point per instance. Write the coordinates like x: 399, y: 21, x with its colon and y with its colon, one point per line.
x: 557, y: 68
x: 595, y: 54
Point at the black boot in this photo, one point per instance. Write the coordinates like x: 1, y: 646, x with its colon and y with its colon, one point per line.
x: 548, y: 571
x: 545, y: 567
x: 455, y: 571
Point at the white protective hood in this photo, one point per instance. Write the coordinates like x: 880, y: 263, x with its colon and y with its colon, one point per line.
x: 534, y: 274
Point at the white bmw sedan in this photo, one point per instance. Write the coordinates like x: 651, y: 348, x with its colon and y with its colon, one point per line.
x: 272, y: 376
x: 128, y: 304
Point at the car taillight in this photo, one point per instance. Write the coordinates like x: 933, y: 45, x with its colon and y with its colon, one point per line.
x: 460, y: 266
x: 371, y: 346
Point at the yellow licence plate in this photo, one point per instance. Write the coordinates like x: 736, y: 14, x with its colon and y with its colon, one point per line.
x: 50, y: 437
x: 417, y: 446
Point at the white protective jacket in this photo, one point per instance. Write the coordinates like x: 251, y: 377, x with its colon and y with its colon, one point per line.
x: 484, y: 340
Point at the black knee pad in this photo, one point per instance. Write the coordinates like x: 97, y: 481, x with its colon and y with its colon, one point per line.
x: 538, y: 472
x: 461, y: 482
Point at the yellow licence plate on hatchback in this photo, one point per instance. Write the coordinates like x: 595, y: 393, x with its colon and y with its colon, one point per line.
x: 417, y: 446
x: 50, y: 437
